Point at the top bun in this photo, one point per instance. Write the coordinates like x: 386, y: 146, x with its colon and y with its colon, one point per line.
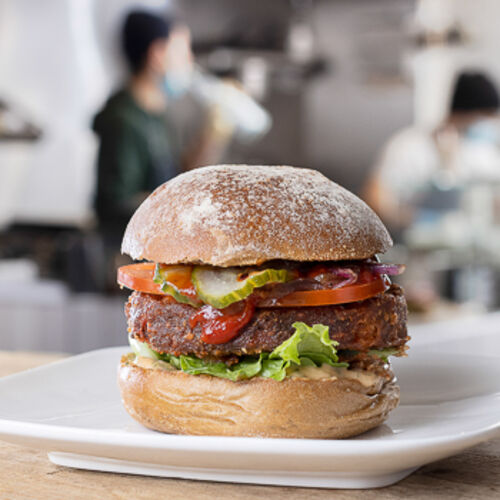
x: 236, y: 215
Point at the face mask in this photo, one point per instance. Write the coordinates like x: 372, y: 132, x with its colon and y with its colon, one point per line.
x: 483, y: 131
x: 176, y: 83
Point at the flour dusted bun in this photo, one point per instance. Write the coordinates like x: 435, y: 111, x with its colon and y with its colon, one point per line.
x: 176, y: 402
x: 235, y: 215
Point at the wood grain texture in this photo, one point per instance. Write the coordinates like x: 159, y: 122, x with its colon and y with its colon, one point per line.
x: 16, y: 361
x: 27, y: 474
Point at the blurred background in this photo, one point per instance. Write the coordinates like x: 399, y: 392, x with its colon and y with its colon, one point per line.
x: 397, y: 100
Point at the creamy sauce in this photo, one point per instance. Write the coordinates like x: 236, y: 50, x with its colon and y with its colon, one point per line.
x: 367, y: 379
x: 325, y: 371
x: 363, y: 377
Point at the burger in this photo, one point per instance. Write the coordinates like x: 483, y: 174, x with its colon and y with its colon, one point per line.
x: 259, y: 307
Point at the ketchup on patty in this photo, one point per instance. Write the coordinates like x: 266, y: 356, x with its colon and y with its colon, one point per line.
x: 222, y: 325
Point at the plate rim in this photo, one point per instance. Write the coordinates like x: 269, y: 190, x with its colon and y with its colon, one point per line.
x: 41, y: 432
x: 257, y: 445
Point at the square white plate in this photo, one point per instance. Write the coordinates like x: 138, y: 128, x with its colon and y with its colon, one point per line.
x: 450, y: 400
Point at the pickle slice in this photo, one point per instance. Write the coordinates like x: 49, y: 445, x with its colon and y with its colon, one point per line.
x: 173, y: 281
x: 222, y: 287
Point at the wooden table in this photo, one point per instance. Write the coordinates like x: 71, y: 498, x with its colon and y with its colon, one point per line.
x: 26, y: 473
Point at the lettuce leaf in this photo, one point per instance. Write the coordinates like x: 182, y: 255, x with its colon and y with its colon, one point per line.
x: 308, y: 342
x: 142, y: 349
x: 384, y: 354
x: 308, y: 346
x: 247, y: 368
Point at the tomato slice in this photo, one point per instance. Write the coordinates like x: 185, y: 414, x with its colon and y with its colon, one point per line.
x: 343, y: 295
x: 139, y: 277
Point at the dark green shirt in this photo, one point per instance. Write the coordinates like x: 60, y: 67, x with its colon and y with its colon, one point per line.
x: 138, y: 151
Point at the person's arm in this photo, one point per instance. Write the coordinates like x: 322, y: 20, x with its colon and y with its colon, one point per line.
x: 211, y: 142
x: 386, y: 203
x: 383, y: 191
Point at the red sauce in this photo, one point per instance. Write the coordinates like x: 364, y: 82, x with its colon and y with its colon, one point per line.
x: 317, y: 271
x: 222, y: 325
x: 366, y: 275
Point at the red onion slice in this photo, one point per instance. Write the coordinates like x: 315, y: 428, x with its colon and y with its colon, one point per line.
x: 389, y: 269
x: 332, y: 277
x: 348, y: 275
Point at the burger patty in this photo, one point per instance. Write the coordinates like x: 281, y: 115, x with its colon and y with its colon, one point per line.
x: 374, y: 323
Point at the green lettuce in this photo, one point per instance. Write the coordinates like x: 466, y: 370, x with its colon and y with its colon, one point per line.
x: 308, y: 342
x: 308, y: 346
x: 246, y: 368
x: 384, y: 354
x: 142, y: 349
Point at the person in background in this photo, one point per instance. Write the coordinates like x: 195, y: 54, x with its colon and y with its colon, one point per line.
x: 420, y: 172
x: 426, y: 187
x: 140, y: 143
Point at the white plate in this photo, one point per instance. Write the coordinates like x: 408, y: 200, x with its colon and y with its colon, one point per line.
x: 450, y: 401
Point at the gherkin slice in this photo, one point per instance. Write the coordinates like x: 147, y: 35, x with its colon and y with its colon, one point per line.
x: 169, y: 277
x: 222, y: 287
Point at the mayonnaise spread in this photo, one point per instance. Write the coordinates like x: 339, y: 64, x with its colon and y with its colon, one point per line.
x: 326, y: 371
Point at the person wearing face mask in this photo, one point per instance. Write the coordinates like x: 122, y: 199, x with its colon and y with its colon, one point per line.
x: 437, y: 191
x: 421, y: 174
x: 140, y: 142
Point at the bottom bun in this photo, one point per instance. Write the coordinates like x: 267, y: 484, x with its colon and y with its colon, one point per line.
x: 175, y: 402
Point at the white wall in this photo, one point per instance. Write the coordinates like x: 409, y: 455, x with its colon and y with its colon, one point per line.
x: 59, y: 60
x: 50, y: 67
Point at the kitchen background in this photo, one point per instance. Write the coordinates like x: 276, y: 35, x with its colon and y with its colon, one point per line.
x: 339, y: 79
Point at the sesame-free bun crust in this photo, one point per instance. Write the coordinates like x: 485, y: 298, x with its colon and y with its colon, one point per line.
x: 235, y: 215
x: 176, y: 402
